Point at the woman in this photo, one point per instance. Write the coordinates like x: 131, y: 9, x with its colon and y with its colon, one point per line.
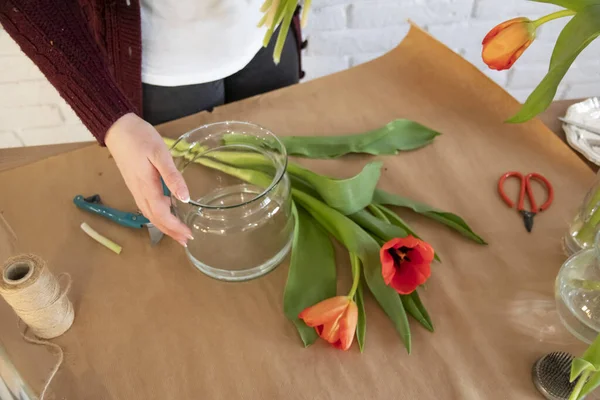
x: 124, y: 65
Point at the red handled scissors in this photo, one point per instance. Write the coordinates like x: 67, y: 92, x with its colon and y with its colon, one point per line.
x: 526, y: 188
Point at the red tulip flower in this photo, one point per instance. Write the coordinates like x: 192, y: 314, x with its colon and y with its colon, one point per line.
x: 334, y: 320
x: 406, y: 263
x: 505, y: 43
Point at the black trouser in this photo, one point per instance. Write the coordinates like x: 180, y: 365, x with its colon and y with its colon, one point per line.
x: 162, y: 104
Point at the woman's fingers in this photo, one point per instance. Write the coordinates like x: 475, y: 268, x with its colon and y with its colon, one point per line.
x: 158, y: 212
x: 163, y: 162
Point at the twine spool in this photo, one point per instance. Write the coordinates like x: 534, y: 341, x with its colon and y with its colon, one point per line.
x: 35, y: 295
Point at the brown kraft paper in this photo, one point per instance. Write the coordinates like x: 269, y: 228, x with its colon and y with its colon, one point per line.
x: 150, y: 326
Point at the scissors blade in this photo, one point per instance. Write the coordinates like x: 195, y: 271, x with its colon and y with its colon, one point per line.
x: 528, y: 219
x: 155, y: 234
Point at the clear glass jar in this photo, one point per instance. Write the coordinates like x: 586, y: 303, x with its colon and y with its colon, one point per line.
x: 577, y: 292
x: 584, y: 226
x: 242, y: 229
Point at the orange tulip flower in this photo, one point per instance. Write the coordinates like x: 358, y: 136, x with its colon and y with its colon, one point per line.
x: 504, y: 44
x: 334, y: 320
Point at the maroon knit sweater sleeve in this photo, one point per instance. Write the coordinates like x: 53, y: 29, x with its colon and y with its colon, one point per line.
x: 55, y: 36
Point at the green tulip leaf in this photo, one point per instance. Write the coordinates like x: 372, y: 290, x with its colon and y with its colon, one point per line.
x: 345, y: 195
x: 416, y: 310
x: 575, y: 5
x: 359, y: 242
x: 312, y: 273
x: 304, y: 186
x: 417, y: 300
x: 578, y: 366
x: 381, y: 229
x: 592, y: 354
x: 451, y: 220
x: 393, y: 218
x: 398, y: 135
x: 579, y: 32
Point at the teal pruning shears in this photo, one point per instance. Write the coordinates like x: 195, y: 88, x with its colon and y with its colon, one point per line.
x: 93, y: 204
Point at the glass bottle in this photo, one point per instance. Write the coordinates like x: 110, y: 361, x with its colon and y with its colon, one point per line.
x: 240, y: 211
x: 577, y: 292
x: 583, y: 228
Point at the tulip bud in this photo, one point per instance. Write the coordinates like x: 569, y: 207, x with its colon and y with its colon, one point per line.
x: 505, y: 43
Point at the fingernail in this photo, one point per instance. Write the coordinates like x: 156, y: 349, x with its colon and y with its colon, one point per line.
x: 184, y: 244
x: 183, y: 196
x: 190, y: 237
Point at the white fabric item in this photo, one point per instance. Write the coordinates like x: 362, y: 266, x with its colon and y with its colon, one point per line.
x: 188, y: 42
x: 587, y: 143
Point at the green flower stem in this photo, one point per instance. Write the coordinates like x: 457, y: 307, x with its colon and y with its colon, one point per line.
x: 355, y: 262
x: 550, y: 17
x: 584, y: 284
x: 255, y: 177
x: 592, y: 216
x: 345, y: 195
x: 304, y: 17
x: 588, y: 230
x: 593, y: 202
x: 377, y: 213
x: 265, y: 6
x: 577, y: 390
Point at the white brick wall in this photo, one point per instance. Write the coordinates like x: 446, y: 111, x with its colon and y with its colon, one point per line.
x: 31, y: 110
x: 376, y: 26
x: 341, y: 34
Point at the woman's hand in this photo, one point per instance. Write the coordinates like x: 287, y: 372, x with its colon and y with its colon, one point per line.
x: 143, y: 158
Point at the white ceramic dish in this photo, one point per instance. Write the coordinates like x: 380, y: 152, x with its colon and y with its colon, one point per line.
x: 587, y: 143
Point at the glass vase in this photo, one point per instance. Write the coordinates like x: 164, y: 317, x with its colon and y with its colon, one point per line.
x: 577, y: 292
x: 583, y: 228
x: 240, y: 211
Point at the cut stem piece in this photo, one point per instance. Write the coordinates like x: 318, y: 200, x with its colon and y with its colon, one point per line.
x: 101, y: 239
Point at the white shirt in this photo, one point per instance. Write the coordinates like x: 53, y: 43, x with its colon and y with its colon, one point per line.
x: 188, y: 42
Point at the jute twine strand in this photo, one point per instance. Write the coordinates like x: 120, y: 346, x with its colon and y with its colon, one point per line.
x: 35, y: 295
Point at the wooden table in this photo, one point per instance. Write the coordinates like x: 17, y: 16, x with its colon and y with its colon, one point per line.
x: 15, y: 157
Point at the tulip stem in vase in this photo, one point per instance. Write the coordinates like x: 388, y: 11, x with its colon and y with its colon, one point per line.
x: 591, y: 217
x: 550, y: 17
x: 587, y: 230
x: 585, y: 284
x: 577, y: 390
